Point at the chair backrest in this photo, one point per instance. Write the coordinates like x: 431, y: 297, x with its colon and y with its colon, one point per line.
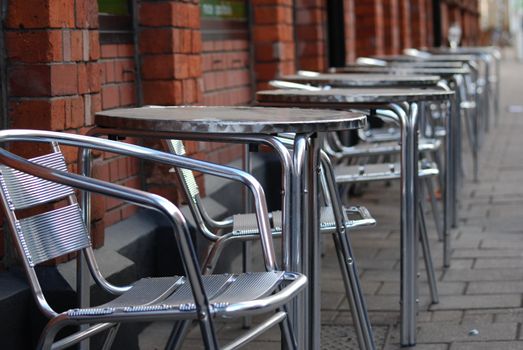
x: 186, y: 176
x: 51, y: 232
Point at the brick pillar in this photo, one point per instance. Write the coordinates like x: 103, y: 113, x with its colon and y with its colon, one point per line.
x: 273, y: 39
x: 53, y: 71
x: 405, y: 24
x: 392, y: 27
x: 350, y: 30
x: 418, y: 18
x: 369, y: 27
x: 429, y: 25
x: 311, y: 35
x: 445, y: 23
x: 170, y: 46
x: 171, y: 69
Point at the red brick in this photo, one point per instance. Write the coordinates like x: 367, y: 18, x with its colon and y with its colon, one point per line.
x: 83, y: 85
x: 94, y: 45
x: 112, y: 217
x: 96, y: 103
x: 64, y: 79
x: 110, y: 98
x: 28, y: 14
x: 156, y: 67
x: 98, y: 233
x: 195, y: 66
x: 76, y: 45
x: 94, y: 73
x: 128, y: 211
x: 189, y: 91
x: 75, y: 117
x: 128, y: 70
x: 164, y: 40
x: 86, y: 13
x: 30, y: 80
x: 42, y: 114
x: 109, y: 71
x: 125, y: 50
x: 156, y: 14
x: 185, y: 37
x: 278, y: 32
x: 196, y: 42
x: 162, y: 92
x: 127, y: 94
x: 61, y: 14
x: 109, y: 50
x: 31, y: 47
x: 272, y: 15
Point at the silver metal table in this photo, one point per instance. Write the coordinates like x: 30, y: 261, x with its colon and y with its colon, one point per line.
x: 301, y: 248
x: 454, y: 78
x: 394, y: 100
x: 365, y: 80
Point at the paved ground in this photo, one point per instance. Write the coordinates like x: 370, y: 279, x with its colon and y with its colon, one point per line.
x: 480, y: 294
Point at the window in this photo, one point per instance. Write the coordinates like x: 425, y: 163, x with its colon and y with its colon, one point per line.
x: 224, y: 19
x: 116, y: 25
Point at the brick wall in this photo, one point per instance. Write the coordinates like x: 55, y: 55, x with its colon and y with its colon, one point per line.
x: 405, y: 25
x: 59, y: 75
x: 310, y: 34
x: 53, y: 71
x: 350, y: 30
x: 273, y: 40
x: 226, y: 72
x: 369, y: 27
x: 391, y: 25
x: 418, y: 20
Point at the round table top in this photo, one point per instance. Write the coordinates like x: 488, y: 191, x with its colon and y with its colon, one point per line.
x: 469, y: 50
x: 418, y: 64
x: 399, y: 71
x: 365, y: 80
x: 443, y: 57
x: 368, y: 96
x: 228, y: 120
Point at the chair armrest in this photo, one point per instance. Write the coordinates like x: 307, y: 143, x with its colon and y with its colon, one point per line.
x: 88, y: 143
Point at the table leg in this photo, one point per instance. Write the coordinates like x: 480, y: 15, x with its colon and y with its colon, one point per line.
x: 450, y: 178
x: 409, y: 224
x: 300, y: 316
x: 306, y: 244
x: 312, y: 210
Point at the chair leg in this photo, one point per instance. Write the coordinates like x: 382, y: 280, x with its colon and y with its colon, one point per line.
x: 287, y: 333
x: 111, y: 335
x: 435, y: 210
x: 177, y: 336
x: 246, y: 266
x: 427, y: 257
x: 353, y: 290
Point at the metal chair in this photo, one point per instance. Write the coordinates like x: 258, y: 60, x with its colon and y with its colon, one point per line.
x: 35, y: 183
x: 334, y: 219
x: 351, y: 174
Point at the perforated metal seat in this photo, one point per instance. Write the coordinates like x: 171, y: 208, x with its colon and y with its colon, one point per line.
x: 379, y: 172
x: 42, y: 183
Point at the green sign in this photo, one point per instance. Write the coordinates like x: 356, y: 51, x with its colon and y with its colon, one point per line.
x: 114, y: 7
x: 223, y: 9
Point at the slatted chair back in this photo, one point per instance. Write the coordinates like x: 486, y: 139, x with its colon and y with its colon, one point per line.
x: 186, y: 176
x: 50, y: 233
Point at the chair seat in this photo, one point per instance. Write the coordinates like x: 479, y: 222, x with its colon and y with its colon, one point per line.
x: 174, y: 296
x: 379, y: 172
x: 385, y: 135
x: 388, y: 147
